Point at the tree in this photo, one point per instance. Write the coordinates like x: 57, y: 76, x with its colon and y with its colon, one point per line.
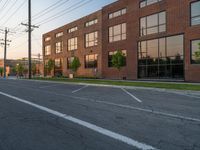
x: 197, y: 53
x: 50, y: 66
x: 1, y: 71
x: 75, y: 64
x: 20, y: 70
x: 118, y: 60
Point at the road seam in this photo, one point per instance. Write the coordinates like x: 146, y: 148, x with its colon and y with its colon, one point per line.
x: 88, y: 125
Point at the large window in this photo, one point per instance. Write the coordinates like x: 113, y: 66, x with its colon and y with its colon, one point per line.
x: 72, y: 44
x: 195, y: 13
x: 91, y: 39
x: 69, y: 62
x: 59, y: 47
x: 47, y: 50
x: 91, y: 61
x: 195, y: 52
x: 110, y: 56
x: 117, y: 33
x: 144, y: 3
x: 117, y: 13
x: 152, y: 24
x: 92, y: 22
x: 161, y: 58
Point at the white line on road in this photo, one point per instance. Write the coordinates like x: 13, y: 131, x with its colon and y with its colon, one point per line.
x: 75, y: 91
x: 49, y: 86
x: 90, y: 126
x: 134, y: 97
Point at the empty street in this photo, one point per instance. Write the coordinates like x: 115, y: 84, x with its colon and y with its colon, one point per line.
x: 53, y: 116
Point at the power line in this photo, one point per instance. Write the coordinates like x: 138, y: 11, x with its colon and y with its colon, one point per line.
x: 9, y: 18
x: 3, y: 16
x: 50, y: 8
x: 62, y: 13
x: 4, y: 5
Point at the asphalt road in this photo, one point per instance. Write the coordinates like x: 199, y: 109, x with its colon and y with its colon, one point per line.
x: 53, y: 116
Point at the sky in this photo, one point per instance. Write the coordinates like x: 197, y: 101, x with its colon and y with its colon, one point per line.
x: 15, y: 12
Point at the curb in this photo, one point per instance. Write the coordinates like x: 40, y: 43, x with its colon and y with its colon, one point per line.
x: 195, y: 94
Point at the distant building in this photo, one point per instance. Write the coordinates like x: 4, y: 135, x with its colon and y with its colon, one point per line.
x: 11, y: 63
x: 158, y: 37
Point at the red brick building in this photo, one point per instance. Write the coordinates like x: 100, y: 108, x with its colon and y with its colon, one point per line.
x: 159, y: 39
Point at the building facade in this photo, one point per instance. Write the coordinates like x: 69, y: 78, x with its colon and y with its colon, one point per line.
x: 159, y: 39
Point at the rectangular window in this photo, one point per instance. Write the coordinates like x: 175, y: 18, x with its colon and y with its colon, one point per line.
x: 117, y: 33
x: 195, y: 52
x: 69, y: 62
x: 59, y: 34
x: 152, y: 24
x: 90, y: 23
x: 58, y: 63
x: 110, y: 55
x: 47, y: 39
x: 195, y: 13
x: 72, y: 29
x: 91, y: 39
x: 145, y: 3
x: 73, y: 44
x: 91, y: 61
x: 47, y: 50
x: 161, y: 58
x: 117, y: 13
x: 59, y: 47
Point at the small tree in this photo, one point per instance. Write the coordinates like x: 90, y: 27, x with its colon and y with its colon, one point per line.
x: 118, y: 60
x: 75, y: 65
x: 20, y: 70
x: 1, y: 71
x: 50, y: 66
x: 197, y: 53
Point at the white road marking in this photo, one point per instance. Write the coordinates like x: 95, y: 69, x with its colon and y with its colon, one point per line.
x: 49, y: 86
x: 134, y: 97
x: 75, y: 91
x: 90, y: 126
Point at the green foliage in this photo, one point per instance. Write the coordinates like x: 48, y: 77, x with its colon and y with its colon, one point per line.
x: 118, y: 60
x: 75, y: 64
x: 197, y: 53
x: 1, y: 71
x: 14, y: 70
x: 50, y: 65
x: 20, y: 69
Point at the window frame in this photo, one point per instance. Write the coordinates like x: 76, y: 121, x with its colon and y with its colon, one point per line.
x: 60, y: 47
x: 191, y: 13
x: 86, y: 62
x: 148, y: 4
x: 114, y: 35
x: 191, y: 50
x: 75, y: 44
x: 120, y: 11
x: 95, y: 40
x: 45, y: 54
x: 158, y: 26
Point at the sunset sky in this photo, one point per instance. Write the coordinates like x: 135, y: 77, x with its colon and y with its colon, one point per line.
x: 14, y: 12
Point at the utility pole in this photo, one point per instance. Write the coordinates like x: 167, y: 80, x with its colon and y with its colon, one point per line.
x: 30, y: 29
x: 6, y: 41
